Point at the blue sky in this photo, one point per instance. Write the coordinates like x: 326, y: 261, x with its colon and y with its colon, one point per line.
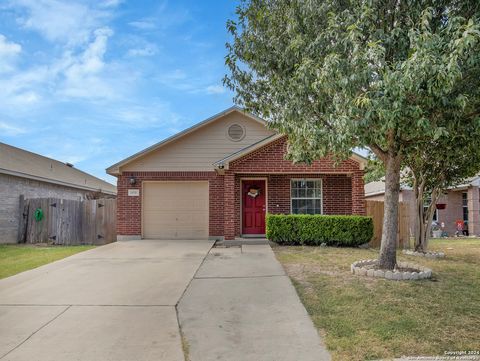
x: 91, y: 82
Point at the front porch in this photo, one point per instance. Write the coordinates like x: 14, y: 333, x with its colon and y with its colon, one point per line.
x: 284, y: 187
x: 249, y: 197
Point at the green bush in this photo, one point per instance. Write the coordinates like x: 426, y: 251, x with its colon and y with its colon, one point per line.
x: 313, y: 230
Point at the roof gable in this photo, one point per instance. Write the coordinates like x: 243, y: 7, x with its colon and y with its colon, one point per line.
x: 198, y: 147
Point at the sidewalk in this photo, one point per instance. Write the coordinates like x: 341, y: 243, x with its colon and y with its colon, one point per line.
x: 242, y: 306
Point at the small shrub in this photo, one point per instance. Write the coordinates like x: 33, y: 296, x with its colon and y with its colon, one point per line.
x: 313, y: 230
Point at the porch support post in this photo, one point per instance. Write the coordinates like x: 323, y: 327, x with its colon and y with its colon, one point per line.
x: 473, y: 211
x: 229, y: 206
x: 358, y: 193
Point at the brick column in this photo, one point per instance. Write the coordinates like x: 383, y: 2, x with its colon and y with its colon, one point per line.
x: 229, y: 206
x: 358, y: 193
x: 473, y: 211
x: 129, y: 224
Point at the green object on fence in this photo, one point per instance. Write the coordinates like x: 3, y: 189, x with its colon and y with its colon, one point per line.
x: 38, y: 214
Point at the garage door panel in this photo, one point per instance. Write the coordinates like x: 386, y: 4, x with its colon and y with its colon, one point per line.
x: 186, y: 221
x: 175, y: 210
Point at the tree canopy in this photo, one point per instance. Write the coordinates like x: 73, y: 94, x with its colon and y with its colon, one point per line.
x: 334, y: 75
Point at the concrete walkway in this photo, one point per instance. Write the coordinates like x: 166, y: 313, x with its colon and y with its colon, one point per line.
x: 115, y: 302
x: 242, y: 306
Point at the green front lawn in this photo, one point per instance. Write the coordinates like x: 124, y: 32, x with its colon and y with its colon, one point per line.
x: 363, y: 318
x: 18, y: 258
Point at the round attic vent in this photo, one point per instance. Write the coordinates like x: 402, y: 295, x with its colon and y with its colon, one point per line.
x: 236, y: 132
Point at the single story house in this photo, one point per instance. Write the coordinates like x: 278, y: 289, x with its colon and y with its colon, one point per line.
x: 460, y: 203
x: 219, y: 178
x: 31, y: 175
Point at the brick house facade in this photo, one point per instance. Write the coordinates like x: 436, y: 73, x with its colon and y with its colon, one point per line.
x: 342, y: 188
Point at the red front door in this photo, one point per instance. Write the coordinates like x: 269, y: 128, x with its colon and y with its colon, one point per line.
x: 253, y: 206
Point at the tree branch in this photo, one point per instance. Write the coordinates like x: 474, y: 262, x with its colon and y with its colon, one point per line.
x: 378, y: 151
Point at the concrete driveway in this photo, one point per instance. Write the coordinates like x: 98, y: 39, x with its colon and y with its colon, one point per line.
x: 115, y: 302
x: 128, y: 301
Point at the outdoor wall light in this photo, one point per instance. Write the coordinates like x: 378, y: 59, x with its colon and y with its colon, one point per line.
x: 132, y: 181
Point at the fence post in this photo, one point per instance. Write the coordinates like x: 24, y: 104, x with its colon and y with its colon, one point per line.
x: 22, y: 221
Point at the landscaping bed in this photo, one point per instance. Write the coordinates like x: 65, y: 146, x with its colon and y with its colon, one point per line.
x: 365, y: 318
x: 18, y: 258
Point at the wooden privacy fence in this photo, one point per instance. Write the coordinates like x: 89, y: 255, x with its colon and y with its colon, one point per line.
x: 67, y: 222
x: 375, y: 210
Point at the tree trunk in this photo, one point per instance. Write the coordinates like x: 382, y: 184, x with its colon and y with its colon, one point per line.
x: 424, y: 218
x: 429, y: 217
x: 420, y: 216
x: 388, y: 248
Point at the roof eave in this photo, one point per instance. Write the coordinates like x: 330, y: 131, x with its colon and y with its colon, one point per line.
x: 54, y: 181
x: 225, y: 162
x: 361, y: 160
x: 114, y: 171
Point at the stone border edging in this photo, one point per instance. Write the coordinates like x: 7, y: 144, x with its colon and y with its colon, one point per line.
x: 358, y: 268
x: 429, y: 254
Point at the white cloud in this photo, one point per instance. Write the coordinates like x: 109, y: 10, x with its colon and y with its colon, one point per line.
x: 111, y: 3
x: 78, y: 70
x: 75, y: 149
x: 147, y: 50
x: 82, y: 73
x: 215, y: 89
x: 144, y: 116
x: 91, y: 60
x: 27, y: 97
x: 143, y: 24
x: 69, y: 22
x: 176, y: 74
x: 11, y: 130
x: 8, y: 48
x: 8, y: 53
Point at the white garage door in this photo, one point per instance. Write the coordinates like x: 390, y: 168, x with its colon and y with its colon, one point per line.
x: 175, y: 210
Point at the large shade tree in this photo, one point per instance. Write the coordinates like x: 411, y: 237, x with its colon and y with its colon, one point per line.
x: 334, y: 75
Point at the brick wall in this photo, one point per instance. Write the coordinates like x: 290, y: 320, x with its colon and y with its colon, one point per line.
x: 453, y: 210
x: 11, y: 187
x: 271, y: 159
x: 129, y: 208
x: 343, y: 191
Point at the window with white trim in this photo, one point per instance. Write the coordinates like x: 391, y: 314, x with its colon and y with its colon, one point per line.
x: 465, y: 206
x: 306, y: 196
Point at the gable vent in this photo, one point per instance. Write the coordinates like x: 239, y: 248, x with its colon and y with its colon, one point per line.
x: 236, y: 132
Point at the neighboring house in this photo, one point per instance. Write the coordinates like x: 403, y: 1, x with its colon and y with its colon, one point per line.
x: 35, y: 176
x: 220, y: 177
x: 462, y: 203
